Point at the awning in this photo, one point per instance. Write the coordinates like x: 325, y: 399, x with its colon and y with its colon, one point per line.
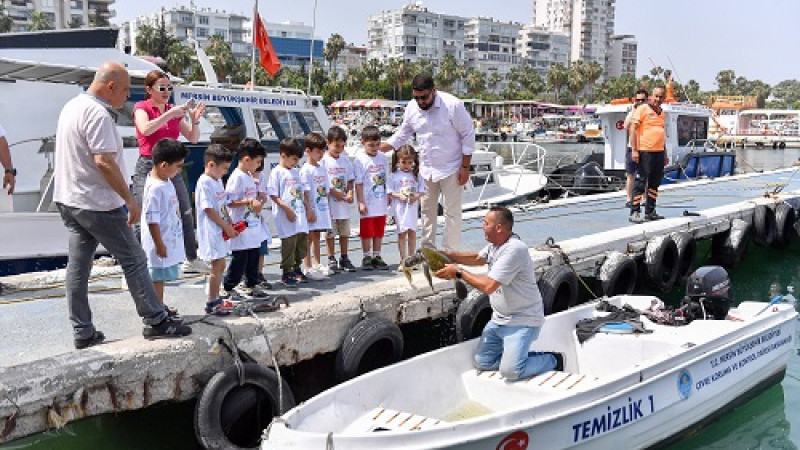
x: 371, y: 103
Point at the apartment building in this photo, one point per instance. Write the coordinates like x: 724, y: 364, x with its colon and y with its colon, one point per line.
x: 623, y: 55
x: 60, y: 13
x: 413, y: 33
x: 351, y: 57
x: 541, y: 48
x: 491, y: 46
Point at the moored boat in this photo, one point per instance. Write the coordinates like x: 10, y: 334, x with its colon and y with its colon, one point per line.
x: 617, y: 390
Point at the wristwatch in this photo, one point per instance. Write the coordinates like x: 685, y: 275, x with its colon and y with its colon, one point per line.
x: 458, y: 273
x: 12, y: 171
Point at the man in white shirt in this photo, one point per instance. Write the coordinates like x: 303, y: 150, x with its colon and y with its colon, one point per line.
x: 90, y: 191
x: 9, y: 172
x: 445, y: 142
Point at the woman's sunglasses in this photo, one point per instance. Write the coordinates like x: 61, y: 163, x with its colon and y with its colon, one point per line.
x: 163, y: 88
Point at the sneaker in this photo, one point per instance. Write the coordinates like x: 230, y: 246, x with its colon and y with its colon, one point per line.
x: 263, y: 282
x: 324, y: 270
x: 232, y: 296
x: 635, y: 217
x: 166, y: 329
x: 219, y: 307
x: 628, y: 205
x: 97, y: 338
x: 315, y: 274
x: 653, y: 216
x: 366, y: 263
x: 173, y: 314
x: 289, y: 280
x: 378, y: 263
x: 333, y: 266
x: 257, y: 292
x: 300, y: 276
x: 195, y: 266
x: 346, y: 265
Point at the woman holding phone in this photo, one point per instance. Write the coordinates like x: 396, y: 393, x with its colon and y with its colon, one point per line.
x: 155, y: 118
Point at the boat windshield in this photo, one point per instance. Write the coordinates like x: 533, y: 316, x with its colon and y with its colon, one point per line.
x: 691, y: 128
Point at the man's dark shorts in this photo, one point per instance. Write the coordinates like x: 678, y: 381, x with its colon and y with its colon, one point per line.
x: 630, y: 166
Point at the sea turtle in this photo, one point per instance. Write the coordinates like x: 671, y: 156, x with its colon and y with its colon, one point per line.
x: 431, y: 262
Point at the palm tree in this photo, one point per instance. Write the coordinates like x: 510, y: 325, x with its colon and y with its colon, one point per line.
x: 6, y: 22
x: 40, y: 21
x: 179, y: 58
x: 145, y: 40
x: 447, y: 73
x: 590, y: 73
x: 221, y: 55
x: 557, y: 77
x: 476, y: 82
x: 422, y: 66
x: 372, y: 69
x: 396, y: 76
x: 494, y: 81
x: 332, y: 49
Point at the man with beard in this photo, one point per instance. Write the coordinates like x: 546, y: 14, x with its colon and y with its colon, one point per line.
x: 445, y: 142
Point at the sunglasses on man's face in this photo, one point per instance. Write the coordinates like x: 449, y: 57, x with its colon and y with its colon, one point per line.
x: 422, y: 97
x: 163, y: 88
x: 639, y: 100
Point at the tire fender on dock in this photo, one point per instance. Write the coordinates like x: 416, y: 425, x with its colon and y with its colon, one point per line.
x: 661, y: 262
x: 372, y: 343
x: 618, y: 274
x: 687, y: 251
x: 764, y: 228
x: 785, y: 218
x: 230, y: 415
x: 728, y: 248
x: 472, y: 315
x: 559, y: 288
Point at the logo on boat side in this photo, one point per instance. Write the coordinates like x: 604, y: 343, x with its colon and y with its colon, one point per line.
x: 684, y: 384
x: 620, y: 125
x: 517, y: 440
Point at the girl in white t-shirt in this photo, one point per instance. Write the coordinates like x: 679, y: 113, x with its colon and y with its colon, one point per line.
x: 406, y: 188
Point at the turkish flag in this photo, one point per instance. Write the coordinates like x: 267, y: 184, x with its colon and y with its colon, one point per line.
x: 266, y: 54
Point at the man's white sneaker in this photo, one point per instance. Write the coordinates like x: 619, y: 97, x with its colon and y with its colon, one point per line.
x: 195, y: 266
x: 324, y: 270
x: 315, y: 274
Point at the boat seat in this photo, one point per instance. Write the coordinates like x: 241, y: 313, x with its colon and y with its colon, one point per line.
x: 384, y: 419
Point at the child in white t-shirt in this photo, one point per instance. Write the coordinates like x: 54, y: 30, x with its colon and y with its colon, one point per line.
x: 315, y: 180
x: 162, y: 229
x: 291, y: 211
x: 212, y: 221
x: 260, y: 178
x: 371, y: 168
x: 406, y: 188
x: 340, y: 199
x: 244, y: 206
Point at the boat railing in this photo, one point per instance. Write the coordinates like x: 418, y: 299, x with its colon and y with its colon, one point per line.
x: 519, y: 152
x: 704, y: 145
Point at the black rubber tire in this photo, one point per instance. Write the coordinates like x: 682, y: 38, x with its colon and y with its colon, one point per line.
x: 372, y: 343
x: 230, y: 416
x: 782, y: 145
x: 472, y: 315
x: 687, y: 252
x: 764, y: 228
x: 661, y: 263
x: 728, y: 248
x: 785, y: 217
x: 617, y: 275
x: 559, y: 289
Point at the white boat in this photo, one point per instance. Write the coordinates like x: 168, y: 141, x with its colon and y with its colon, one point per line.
x: 776, y: 128
x: 617, y: 390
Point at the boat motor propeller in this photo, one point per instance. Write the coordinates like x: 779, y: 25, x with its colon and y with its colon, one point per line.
x: 708, y: 295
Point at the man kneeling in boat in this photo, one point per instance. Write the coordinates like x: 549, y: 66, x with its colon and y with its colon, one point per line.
x: 517, y: 308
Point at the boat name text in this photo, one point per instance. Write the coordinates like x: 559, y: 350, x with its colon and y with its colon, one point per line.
x: 613, y: 418
x: 742, y: 355
x: 242, y: 99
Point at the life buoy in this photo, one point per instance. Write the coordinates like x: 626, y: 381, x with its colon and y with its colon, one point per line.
x: 763, y: 225
x: 230, y: 415
x: 661, y: 263
x: 372, y: 343
x: 617, y: 275
x: 559, y: 289
x: 728, y: 248
x: 687, y: 252
x: 785, y: 217
x: 472, y: 314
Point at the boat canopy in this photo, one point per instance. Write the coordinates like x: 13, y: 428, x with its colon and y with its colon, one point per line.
x: 371, y: 103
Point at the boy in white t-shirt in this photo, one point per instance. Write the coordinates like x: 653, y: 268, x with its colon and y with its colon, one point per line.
x: 162, y: 229
x: 261, y: 187
x: 291, y: 211
x: 340, y: 199
x: 371, y: 168
x: 315, y: 179
x: 244, y: 206
x: 212, y: 222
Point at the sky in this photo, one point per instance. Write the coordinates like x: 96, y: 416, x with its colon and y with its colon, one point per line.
x: 695, y: 38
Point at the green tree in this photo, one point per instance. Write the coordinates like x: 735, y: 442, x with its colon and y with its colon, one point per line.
x: 40, y: 21
x: 333, y: 48
x: 448, y: 73
x: 787, y: 93
x: 163, y: 40
x: 591, y: 72
x: 372, y: 69
x: 493, y: 82
x: 145, y: 40
x: 557, y: 78
x: 221, y: 56
x: 397, y: 76
x: 422, y: 66
x: 6, y: 22
x: 179, y: 58
x: 725, y: 82
x: 476, y: 83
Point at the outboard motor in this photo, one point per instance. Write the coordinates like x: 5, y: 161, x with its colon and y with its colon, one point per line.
x: 708, y: 295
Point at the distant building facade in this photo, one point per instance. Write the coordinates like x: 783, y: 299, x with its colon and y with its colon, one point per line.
x: 624, y: 51
x: 60, y: 13
x: 351, y: 57
x: 491, y: 46
x: 292, y: 43
x: 541, y: 48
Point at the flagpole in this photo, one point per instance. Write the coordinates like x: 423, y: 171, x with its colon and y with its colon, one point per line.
x: 311, y: 47
x: 253, y: 43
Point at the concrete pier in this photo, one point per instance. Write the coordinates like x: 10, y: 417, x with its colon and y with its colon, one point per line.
x: 45, y: 383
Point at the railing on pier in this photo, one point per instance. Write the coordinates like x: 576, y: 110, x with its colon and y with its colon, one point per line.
x: 519, y: 165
